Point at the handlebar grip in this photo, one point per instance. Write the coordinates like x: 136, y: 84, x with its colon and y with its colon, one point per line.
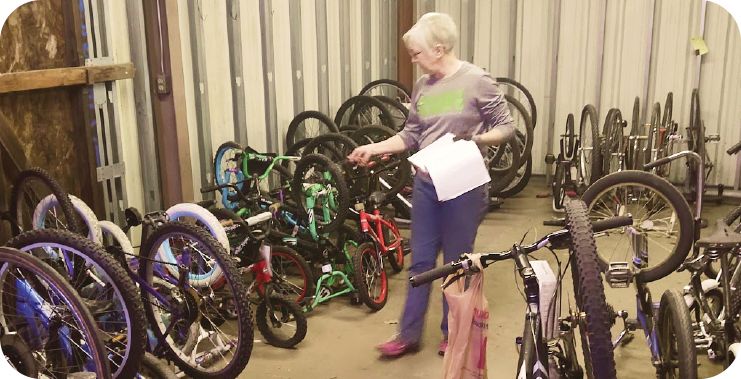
x: 656, y: 163
x: 262, y: 217
x: 211, y: 188
x: 610, y: 223
x: 435, y: 273
x: 734, y: 149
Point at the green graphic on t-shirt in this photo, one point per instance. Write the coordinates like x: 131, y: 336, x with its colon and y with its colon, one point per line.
x: 438, y: 104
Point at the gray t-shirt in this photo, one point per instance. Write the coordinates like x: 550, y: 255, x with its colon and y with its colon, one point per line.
x: 465, y: 103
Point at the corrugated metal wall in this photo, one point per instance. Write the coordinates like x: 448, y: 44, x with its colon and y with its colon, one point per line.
x: 251, y: 65
x: 572, y: 52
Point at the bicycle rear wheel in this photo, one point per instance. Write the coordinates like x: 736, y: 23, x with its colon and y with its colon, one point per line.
x: 590, y: 146
x: 318, y: 169
x: 227, y: 169
x: 307, y: 125
x: 593, y: 315
x: 54, y: 333
x: 662, y: 227
x: 29, y: 188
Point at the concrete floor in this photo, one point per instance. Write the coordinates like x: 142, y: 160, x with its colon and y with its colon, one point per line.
x: 341, y: 337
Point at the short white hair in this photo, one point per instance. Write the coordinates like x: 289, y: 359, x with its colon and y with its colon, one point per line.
x: 433, y: 29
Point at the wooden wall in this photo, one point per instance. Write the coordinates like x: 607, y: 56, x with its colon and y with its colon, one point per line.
x: 49, y: 125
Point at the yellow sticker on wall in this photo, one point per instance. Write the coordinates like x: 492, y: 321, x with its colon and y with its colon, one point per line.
x: 698, y: 44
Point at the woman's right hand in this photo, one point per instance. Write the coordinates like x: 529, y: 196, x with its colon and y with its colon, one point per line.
x: 362, y: 154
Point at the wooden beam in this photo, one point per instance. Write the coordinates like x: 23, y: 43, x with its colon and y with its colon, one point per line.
x: 404, y: 69
x: 63, y: 77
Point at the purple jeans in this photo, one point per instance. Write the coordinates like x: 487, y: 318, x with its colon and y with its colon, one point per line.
x: 451, y: 226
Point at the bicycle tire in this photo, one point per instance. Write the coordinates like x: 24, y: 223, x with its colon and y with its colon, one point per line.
x: 399, y: 112
x: 219, y: 174
x: 285, y: 253
x: 558, y: 192
x: 519, y: 182
x: 594, y: 328
x: 24, y: 181
x: 631, y: 156
x: 366, y: 253
x: 501, y: 178
x: 293, y: 128
x: 18, y: 354
x: 394, y: 83
x: 674, y: 198
x: 675, y: 330
x: 651, y: 142
x: 384, y: 116
x: 153, y: 368
x: 395, y: 257
x: 287, y: 308
x: 230, y: 278
x: 595, y: 158
x: 613, y: 133
x: 123, y: 286
x: 666, y: 117
x: 339, y: 184
x: 85, y: 214
x: 568, y: 142
x: 403, y: 173
x: 69, y: 295
x: 533, y: 109
x: 528, y: 132
x: 335, y: 146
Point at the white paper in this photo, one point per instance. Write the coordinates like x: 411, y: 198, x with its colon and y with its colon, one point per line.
x: 455, y: 167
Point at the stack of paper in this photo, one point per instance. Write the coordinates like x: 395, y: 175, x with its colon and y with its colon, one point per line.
x: 455, y: 167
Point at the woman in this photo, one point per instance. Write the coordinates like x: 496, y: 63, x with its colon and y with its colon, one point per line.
x: 452, y: 97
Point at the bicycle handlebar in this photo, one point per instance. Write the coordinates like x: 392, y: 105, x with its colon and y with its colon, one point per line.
x: 465, y: 263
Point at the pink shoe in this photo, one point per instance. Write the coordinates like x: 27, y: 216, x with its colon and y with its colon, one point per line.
x: 395, y: 348
x: 442, y: 347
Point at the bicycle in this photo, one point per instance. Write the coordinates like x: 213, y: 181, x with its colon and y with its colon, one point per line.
x: 564, y: 184
x: 47, y: 328
x: 591, y: 313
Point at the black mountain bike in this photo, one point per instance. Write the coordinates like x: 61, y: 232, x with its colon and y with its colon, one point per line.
x: 591, y: 314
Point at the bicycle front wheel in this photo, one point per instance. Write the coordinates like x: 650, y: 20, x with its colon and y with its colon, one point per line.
x: 594, y: 317
x: 676, y: 344
x: 192, y: 321
x: 662, y: 230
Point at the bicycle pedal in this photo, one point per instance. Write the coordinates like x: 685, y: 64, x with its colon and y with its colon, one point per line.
x: 619, y: 275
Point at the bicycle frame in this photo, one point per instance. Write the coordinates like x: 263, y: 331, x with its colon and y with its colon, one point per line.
x: 375, y: 231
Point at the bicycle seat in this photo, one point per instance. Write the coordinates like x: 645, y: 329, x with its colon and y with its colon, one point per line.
x: 724, y: 237
x: 207, y: 203
x: 377, y: 198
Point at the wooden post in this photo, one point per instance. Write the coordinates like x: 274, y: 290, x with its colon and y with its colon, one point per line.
x: 405, y: 73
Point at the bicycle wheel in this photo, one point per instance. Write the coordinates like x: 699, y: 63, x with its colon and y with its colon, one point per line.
x: 533, y: 110
x: 103, y: 284
x: 523, y: 174
x: 399, y: 112
x: 370, y: 277
x: 280, y: 321
x: 666, y: 117
x: 504, y: 169
x: 568, y: 140
x: 590, y: 149
x: 29, y: 188
x: 363, y: 110
x: 153, y: 368
x: 676, y: 344
x: 395, y: 257
x: 612, y: 148
x: 594, y: 321
x: 47, y: 205
x: 636, y: 129
x: 662, y: 227
x: 292, y: 277
x: 309, y: 124
x: 197, y: 335
x: 54, y: 333
x: 653, y: 133
x: 335, y: 146
x: 315, y: 172
x: 388, y: 87
x: 227, y: 169
x: 394, y: 169
x: 523, y: 124
x: 558, y: 190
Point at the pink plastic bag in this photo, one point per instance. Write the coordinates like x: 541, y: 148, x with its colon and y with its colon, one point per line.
x: 468, y: 326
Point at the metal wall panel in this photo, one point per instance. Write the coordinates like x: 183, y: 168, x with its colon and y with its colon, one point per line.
x: 254, y: 88
x: 309, y: 53
x: 283, y: 73
x: 334, y: 67
x: 720, y: 92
